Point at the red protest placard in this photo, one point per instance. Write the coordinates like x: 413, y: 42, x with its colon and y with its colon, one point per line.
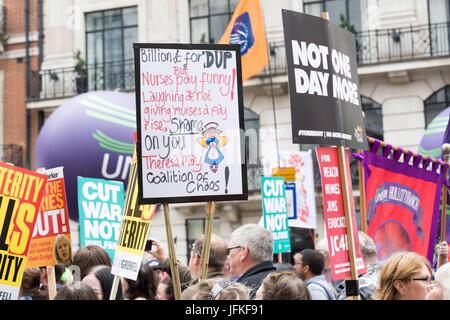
x: 51, y: 236
x: 334, y: 216
x: 20, y: 196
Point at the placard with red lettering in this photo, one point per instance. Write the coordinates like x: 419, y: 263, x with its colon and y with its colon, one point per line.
x: 21, y: 192
x: 334, y: 216
x: 52, y: 223
x: 190, y: 121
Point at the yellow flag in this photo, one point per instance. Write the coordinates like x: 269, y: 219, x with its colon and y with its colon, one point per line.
x: 246, y: 28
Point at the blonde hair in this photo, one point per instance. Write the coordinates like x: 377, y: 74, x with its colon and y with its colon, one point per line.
x: 230, y: 291
x: 284, y: 285
x: 442, y: 277
x: 401, y: 266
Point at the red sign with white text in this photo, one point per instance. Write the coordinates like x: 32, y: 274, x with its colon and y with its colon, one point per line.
x: 334, y: 216
x: 52, y: 224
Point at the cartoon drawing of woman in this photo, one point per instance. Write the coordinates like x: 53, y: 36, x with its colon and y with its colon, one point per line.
x: 212, y: 141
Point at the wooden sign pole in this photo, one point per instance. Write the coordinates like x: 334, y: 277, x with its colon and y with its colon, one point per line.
x: 51, y: 278
x: 347, y: 208
x: 51, y: 281
x: 115, y: 286
x: 348, y: 216
x: 172, y: 254
x: 362, y: 197
x: 206, y: 247
x: 446, y: 151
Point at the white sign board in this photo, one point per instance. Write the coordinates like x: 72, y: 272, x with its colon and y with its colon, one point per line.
x: 190, y: 123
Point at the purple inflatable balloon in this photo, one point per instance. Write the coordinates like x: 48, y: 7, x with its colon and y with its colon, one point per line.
x: 431, y: 142
x: 91, y: 135
x: 431, y: 145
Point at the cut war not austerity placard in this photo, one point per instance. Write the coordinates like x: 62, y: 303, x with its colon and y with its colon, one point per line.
x: 275, y: 213
x: 100, y: 204
x: 21, y: 193
x: 190, y: 123
x: 52, y: 220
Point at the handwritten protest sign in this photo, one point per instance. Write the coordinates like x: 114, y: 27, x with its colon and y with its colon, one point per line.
x: 190, y: 123
x: 21, y: 193
x: 275, y: 212
x: 334, y: 214
x: 100, y: 204
x: 134, y: 230
x: 52, y: 220
x: 323, y: 80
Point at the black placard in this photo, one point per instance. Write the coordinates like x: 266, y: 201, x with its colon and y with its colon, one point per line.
x: 323, y: 82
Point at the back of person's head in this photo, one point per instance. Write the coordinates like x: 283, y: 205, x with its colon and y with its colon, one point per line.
x: 76, y: 291
x: 91, y: 256
x: 165, y: 289
x: 442, y: 277
x: 106, y: 278
x: 217, y: 252
x: 314, y: 260
x: 401, y: 266
x: 217, y: 289
x: 145, y: 286
x: 368, y: 247
x: 283, y: 286
x: 258, y: 240
x: 31, y: 281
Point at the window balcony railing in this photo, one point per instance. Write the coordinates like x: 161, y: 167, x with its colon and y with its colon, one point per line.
x: 400, y: 44
x: 277, y: 56
x: 67, y: 82
x: 383, y: 46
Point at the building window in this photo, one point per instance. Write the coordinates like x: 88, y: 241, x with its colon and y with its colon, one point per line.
x: 373, y: 118
x: 438, y: 18
x: 195, y: 228
x: 438, y: 11
x: 350, y: 12
x: 209, y: 19
x: 435, y: 103
x: 109, y: 48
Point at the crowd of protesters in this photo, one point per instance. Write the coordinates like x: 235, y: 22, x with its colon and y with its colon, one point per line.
x: 244, y: 270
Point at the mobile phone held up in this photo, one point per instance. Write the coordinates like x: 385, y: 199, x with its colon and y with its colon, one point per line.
x: 148, y: 245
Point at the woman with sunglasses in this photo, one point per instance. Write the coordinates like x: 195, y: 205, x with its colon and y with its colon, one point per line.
x: 405, y: 276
